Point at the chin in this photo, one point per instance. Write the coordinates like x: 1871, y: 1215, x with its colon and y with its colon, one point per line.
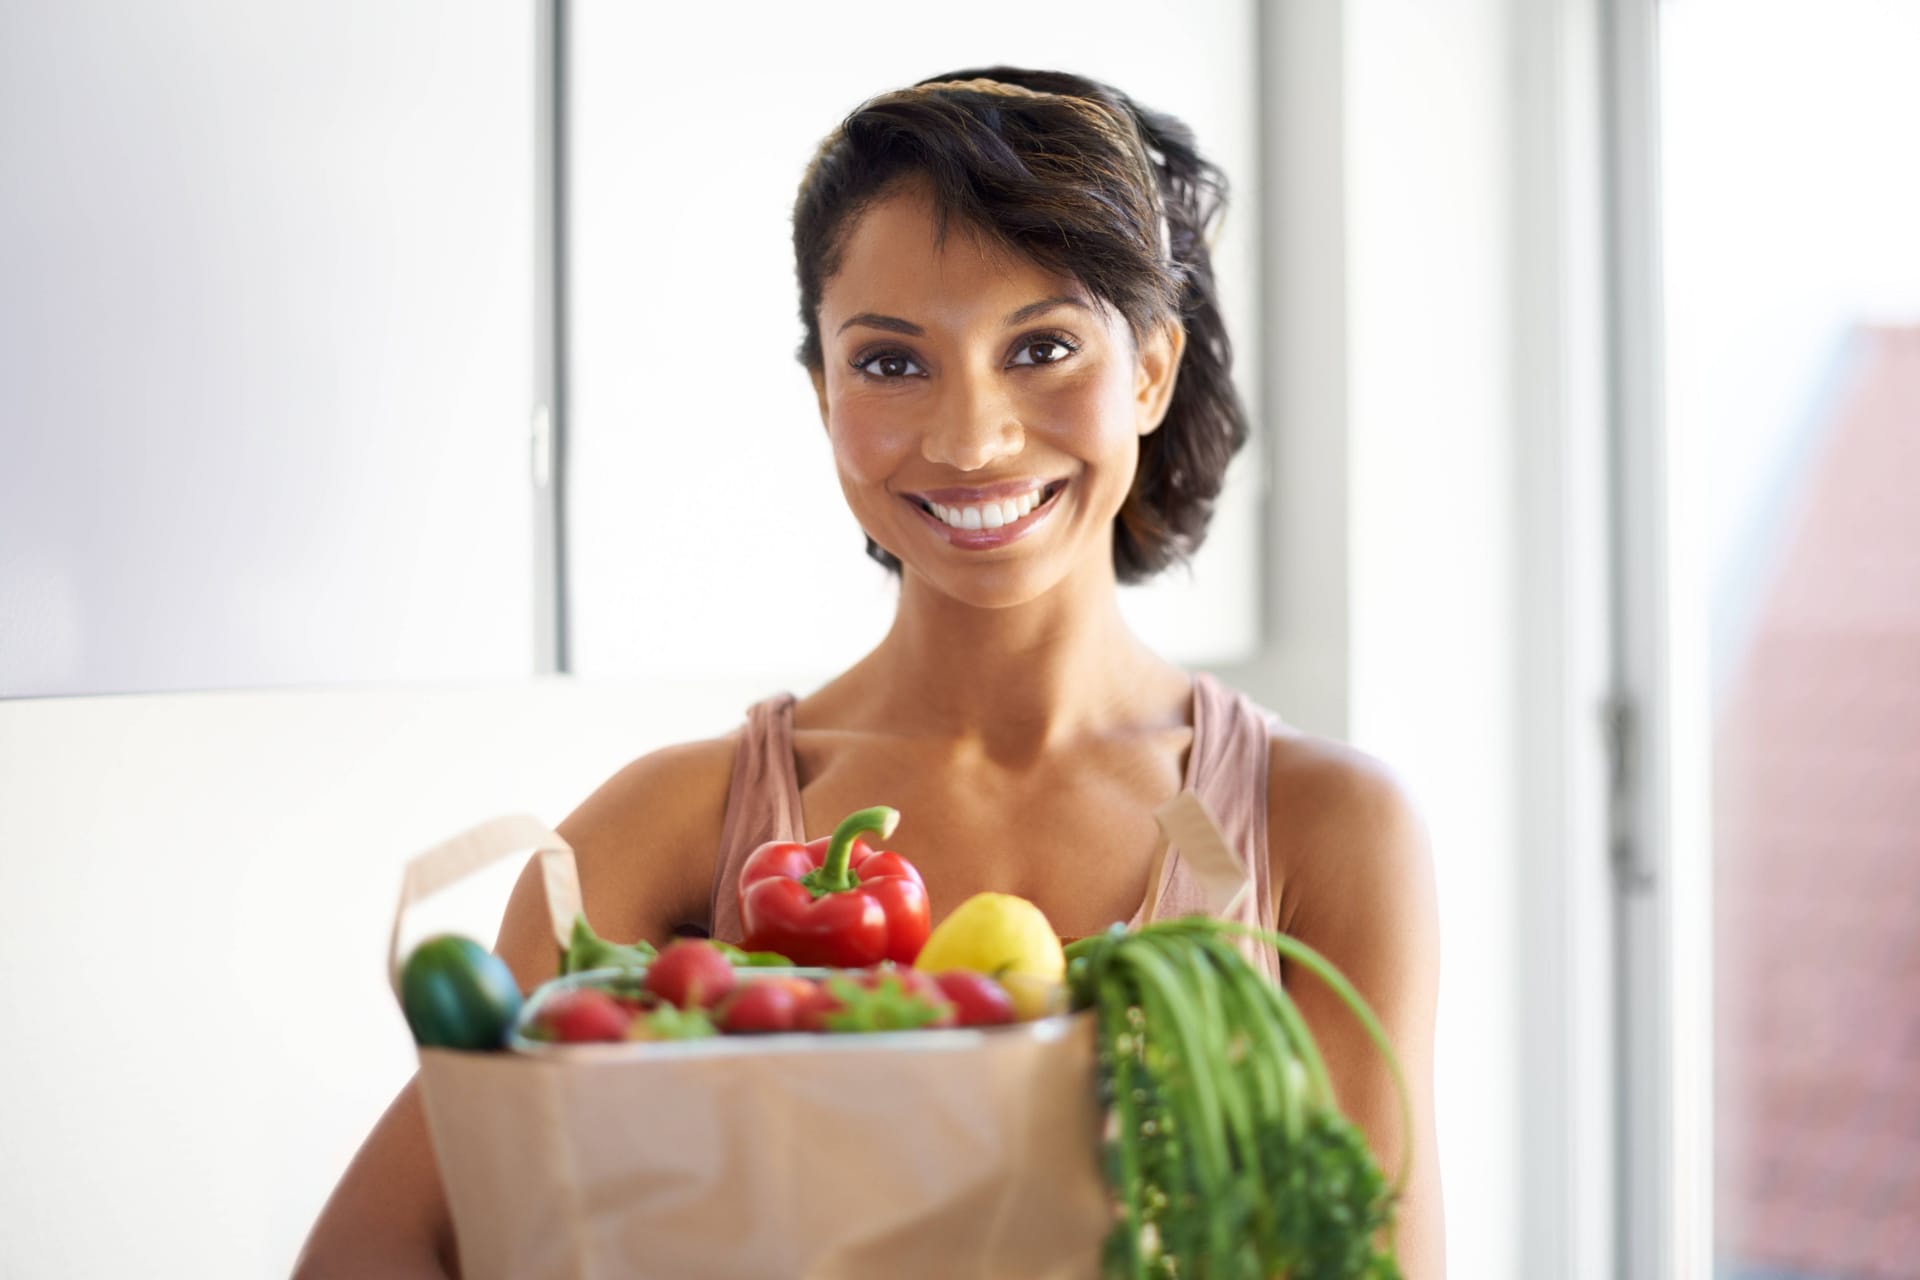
x: 1007, y: 584
x: 994, y: 591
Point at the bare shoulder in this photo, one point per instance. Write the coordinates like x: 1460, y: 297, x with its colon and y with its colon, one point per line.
x: 1342, y: 831
x: 675, y: 792
x: 1355, y: 880
x: 646, y: 842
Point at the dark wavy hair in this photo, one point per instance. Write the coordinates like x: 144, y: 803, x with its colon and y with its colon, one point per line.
x: 1088, y: 184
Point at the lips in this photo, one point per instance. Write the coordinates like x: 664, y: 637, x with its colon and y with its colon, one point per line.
x: 961, y: 496
x: 986, y: 537
x: 988, y: 508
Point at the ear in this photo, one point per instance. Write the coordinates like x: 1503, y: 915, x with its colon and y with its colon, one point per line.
x: 1156, y: 370
x: 819, y: 377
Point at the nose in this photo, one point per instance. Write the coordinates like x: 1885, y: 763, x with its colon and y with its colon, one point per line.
x: 974, y: 425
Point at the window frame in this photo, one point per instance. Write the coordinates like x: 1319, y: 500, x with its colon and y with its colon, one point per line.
x: 1661, y: 814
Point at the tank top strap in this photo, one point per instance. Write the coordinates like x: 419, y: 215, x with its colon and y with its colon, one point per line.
x: 1228, y: 769
x: 763, y: 803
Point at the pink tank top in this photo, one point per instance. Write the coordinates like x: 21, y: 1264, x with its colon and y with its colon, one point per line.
x: 1226, y: 768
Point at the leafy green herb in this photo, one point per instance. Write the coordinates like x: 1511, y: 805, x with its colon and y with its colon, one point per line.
x: 668, y: 1023
x: 1227, y: 1154
x: 740, y: 959
x: 880, y: 1000
x: 588, y: 950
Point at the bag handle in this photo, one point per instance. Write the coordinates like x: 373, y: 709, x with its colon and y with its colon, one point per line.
x: 1186, y: 824
x: 454, y: 860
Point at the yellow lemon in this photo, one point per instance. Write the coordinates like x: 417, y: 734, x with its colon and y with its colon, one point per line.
x: 1034, y: 996
x: 999, y: 935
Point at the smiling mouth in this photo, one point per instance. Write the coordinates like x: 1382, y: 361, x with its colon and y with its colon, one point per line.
x: 981, y: 516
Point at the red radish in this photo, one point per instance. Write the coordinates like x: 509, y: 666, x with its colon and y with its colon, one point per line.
x: 977, y: 999
x: 583, y: 1016
x: 810, y: 1011
x: 691, y: 974
x: 765, y: 1004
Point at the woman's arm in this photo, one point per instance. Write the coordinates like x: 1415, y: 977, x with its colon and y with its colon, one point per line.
x: 1355, y: 881
x: 387, y: 1216
x: 645, y: 844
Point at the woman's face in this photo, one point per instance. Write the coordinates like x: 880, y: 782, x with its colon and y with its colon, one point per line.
x: 985, y: 414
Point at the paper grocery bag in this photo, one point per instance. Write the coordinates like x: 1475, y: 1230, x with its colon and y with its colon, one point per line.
x: 975, y: 1157
x: 963, y: 1153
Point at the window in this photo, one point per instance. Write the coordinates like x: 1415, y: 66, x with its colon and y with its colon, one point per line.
x: 1792, y: 302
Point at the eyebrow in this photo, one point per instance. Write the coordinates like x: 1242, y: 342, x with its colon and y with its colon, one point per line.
x: 894, y: 324
x: 1040, y: 308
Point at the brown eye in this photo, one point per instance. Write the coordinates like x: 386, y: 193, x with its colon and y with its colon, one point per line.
x: 1044, y: 349
x: 886, y: 366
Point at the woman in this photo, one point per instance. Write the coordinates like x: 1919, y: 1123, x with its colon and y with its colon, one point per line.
x: 1012, y: 330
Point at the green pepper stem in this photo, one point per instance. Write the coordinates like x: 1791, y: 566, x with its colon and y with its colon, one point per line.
x: 834, y: 875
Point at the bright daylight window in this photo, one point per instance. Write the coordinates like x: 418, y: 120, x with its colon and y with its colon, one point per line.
x: 1793, y: 317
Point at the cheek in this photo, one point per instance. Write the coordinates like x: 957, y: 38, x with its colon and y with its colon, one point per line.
x: 869, y: 437
x: 1092, y: 417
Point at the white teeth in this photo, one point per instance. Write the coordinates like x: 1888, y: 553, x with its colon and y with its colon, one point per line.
x: 988, y: 515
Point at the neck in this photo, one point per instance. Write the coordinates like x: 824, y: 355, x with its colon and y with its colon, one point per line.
x: 1020, y: 678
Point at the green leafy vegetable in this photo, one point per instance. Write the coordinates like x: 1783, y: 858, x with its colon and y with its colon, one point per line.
x: 882, y: 1000
x: 669, y: 1023
x: 1227, y: 1154
x: 740, y: 959
x: 588, y: 950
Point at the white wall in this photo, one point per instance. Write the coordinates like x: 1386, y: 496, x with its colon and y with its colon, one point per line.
x: 1432, y: 608
x: 266, y: 344
x: 196, y: 891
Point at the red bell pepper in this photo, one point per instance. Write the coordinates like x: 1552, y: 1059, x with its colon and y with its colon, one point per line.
x: 835, y: 902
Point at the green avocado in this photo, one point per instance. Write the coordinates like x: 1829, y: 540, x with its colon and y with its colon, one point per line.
x: 458, y: 995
